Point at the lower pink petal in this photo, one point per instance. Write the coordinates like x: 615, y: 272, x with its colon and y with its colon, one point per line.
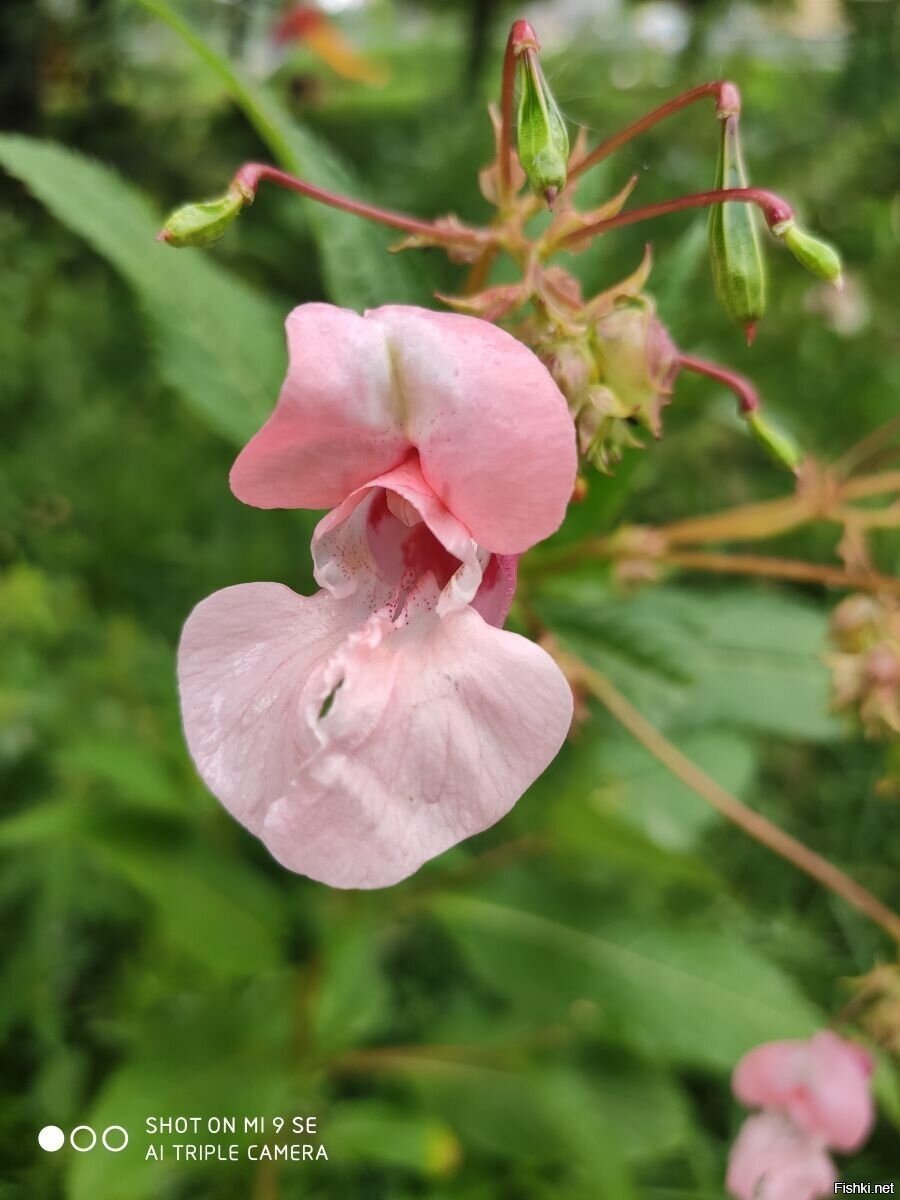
x: 773, y: 1160
x: 435, y: 731
x: 357, y: 749
x: 245, y: 655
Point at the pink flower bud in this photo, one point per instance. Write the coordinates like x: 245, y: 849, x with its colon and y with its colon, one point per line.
x: 638, y: 362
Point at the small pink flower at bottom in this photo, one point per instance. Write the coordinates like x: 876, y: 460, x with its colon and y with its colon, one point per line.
x: 823, y: 1085
x: 361, y: 731
x: 774, y: 1160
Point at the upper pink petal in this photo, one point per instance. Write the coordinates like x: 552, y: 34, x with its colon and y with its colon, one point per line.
x: 773, y: 1160
x: 434, y: 731
x: 492, y: 429
x: 766, y: 1076
x: 822, y: 1084
x: 338, y: 421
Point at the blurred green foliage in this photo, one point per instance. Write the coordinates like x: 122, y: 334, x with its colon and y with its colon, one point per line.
x: 552, y: 1009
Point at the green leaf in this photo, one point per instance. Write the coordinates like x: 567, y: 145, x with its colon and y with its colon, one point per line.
x: 226, y: 1052
x: 748, y: 658
x: 219, y: 343
x: 374, y: 1131
x: 123, y: 767
x: 645, y: 1109
x: 229, y: 923
x: 604, y: 803
x: 635, y: 787
x: 532, y: 1115
x: 353, y: 997
x: 681, y: 993
x: 357, y: 268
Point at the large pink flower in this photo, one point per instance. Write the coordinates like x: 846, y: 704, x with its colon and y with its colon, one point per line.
x: 772, y: 1159
x: 363, y: 730
x: 493, y: 434
x: 822, y: 1084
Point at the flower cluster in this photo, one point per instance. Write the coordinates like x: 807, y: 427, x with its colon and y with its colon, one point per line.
x: 865, y: 668
x: 612, y: 358
x: 363, y: 730
x: 814, y: 1095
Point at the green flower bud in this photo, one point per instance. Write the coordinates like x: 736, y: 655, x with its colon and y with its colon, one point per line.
x: 737, y: 265
x: 779, y: 445
x: 204, y: 223
x: 543, y: 140
x: 817, y: 256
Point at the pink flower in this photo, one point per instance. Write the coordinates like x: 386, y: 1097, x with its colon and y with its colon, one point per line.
x: 494, y: 438
x: 773, y: 1160
x: 821, y: 1084
x: 363, y: 730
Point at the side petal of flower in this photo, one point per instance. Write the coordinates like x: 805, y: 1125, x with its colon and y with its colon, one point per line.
x: 347, y: 544
x: 498, y: 587
x: 434, y: 731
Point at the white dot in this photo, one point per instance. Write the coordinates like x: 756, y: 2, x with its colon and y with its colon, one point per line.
x: 51, y: 1138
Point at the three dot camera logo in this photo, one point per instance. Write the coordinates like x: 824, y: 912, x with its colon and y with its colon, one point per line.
x: 83, y: 1138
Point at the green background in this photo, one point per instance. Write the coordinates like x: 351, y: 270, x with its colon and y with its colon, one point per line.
x: 552, y: 1009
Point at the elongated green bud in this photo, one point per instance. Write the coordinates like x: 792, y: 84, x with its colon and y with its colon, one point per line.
x: 819, y: 258
x: 779, y: 445
x: 737, y: 264
x: 204, y: 223
x: 543, y: 140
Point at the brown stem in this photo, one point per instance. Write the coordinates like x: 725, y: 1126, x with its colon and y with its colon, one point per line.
x: 871, y: 485
x: 773, y: 207
x: 873, y: 443
x: 250, y: 175
x: 265, y: 1181
x: 728, y: 103
x: 781, y: 568
x: 747, y: 395
x: 747, y: 523
x: 480, y: 271
x: 870, y: 518
x: 751, y: 822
